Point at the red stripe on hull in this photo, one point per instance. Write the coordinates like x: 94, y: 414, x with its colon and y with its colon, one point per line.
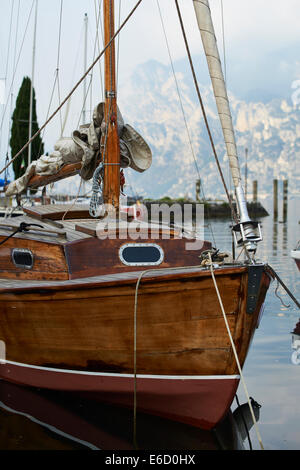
x: 298, y: 263
x: 201, y: 402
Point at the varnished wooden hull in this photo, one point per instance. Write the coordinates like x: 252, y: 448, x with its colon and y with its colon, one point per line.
x: 79, y: 335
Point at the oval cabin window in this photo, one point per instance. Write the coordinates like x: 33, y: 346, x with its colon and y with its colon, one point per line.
x: 22, y: 258
x: 141, y: 254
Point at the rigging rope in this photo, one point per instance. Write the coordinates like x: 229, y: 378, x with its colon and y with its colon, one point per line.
x: 274, y: 274
x: 167, y: 270
x: 91, y: 75
x: 183, y: 112
x: 204, y: 113
x: 74, y: 88
x: 142, y: 274
x: 23, y: 227
x: 97, y: 17
x: 55, y: 79
x: 14, y: 74
x: 57, y: 65
x: 9, y: 38
x: 73, y: 74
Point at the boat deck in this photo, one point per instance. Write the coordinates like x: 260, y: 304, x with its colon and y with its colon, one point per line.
x: 62, y: 223
x: 122, y: 278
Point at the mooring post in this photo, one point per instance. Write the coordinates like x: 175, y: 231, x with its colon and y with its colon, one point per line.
x: 275, y: 200
x: 198, y: 186
x: 285, y: 200
x: 255, y: 191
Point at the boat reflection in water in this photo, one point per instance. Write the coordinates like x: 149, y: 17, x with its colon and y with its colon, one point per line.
x: 48, y: 420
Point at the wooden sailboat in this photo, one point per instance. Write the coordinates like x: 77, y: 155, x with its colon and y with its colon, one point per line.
x: 138, y: 322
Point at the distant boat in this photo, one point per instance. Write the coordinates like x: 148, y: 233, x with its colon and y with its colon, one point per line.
x: 295, y: 254
x: 139, y: 322
x: 296, y: 344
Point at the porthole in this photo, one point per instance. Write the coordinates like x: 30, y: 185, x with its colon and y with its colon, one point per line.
x: 22, y: 258
x: 141, y: 254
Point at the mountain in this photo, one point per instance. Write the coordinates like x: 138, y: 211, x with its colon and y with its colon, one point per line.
x: 270, y: 130
x: 180, y: 146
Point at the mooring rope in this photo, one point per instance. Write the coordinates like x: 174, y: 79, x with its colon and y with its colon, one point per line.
x: 167, y: 270
x: 235, y: 353
x: 161, y: 270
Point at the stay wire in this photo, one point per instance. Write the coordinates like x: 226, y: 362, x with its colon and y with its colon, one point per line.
x: 273, y: 273
x: 6, y: 68
x: 58, y: 63
x: 178, y: 90
x: 74, y: 88
x: 97, y: 17
x: 56, y: 78
x: 16, y: 62
x: 182, y: 109
x: 9, y: 38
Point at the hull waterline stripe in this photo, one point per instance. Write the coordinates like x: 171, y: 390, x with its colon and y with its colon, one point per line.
x: 108, y: 374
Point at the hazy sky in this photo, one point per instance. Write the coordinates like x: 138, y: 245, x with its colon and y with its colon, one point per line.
x: 262, y: 39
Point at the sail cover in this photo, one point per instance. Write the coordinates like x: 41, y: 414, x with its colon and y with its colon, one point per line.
x: 209, y: 41
x: 83, y: 146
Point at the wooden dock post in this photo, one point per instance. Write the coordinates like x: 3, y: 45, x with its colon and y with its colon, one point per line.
x: 275, y: 200
x: 198, y: 186
x: 255, y: 191
x: 285, y: 200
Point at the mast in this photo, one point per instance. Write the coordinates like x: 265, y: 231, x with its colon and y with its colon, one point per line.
x: 246, y: 227
x: 111, y: 154
x: 84, y: 68
x: 32, y: 80
x: 246, y: 172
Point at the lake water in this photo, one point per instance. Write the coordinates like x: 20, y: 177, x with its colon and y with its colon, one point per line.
x: 39, y: 419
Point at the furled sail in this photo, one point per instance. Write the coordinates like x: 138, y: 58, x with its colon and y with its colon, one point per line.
x: 83, y: 147
x: 206, y: 27
x: 246, y: 227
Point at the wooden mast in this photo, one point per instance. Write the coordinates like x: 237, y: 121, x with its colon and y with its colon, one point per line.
x: 111, y: 156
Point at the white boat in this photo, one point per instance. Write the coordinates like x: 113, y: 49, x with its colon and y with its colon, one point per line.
x: 295, y: 254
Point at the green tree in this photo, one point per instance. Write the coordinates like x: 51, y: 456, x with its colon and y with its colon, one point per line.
x: 20, y: 129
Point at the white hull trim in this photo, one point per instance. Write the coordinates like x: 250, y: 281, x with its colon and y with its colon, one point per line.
x: 295, y: 254
x: 108, y: 374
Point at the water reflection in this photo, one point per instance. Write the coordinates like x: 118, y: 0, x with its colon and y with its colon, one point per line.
x: 284, y: 239
x: 275, y: 238
x: 42, y: 419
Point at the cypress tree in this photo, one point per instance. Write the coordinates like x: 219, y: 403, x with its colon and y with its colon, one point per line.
x: 20, y: 129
